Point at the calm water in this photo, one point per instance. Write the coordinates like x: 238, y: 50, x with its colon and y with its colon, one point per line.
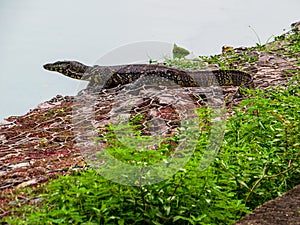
x: 35, y: 32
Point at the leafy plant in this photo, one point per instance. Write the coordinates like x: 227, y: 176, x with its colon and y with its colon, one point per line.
x: 179, y: 52
x: 258, y: 161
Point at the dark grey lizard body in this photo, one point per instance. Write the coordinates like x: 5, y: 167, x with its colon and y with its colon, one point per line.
x: 112, y: 76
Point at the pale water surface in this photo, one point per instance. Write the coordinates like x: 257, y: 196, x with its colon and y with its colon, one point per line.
x: 35, y: 32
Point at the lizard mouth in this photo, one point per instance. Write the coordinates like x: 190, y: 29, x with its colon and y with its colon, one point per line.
x: 57, y: 66
x: 47, y: 66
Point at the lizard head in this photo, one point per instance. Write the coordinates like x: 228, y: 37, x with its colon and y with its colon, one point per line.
x: 71, y: 69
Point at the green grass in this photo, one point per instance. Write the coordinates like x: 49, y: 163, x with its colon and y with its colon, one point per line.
x: 258, y: 161
x: 287, y: 44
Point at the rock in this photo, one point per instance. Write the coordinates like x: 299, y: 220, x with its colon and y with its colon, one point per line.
x: 27, y: 183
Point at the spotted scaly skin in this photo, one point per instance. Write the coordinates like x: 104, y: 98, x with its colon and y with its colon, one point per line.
x: 71, y: 69
x: 112, y: 76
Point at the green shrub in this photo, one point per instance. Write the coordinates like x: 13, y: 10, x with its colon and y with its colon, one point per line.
x: 258, y: 161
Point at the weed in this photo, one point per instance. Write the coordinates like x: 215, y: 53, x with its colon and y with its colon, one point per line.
x: 258, y: 161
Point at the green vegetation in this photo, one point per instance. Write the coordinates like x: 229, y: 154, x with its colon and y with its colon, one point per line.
x: 287, y: 44
x: 125, y: 144
x: 179, y: 52
x: 258, y: 161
